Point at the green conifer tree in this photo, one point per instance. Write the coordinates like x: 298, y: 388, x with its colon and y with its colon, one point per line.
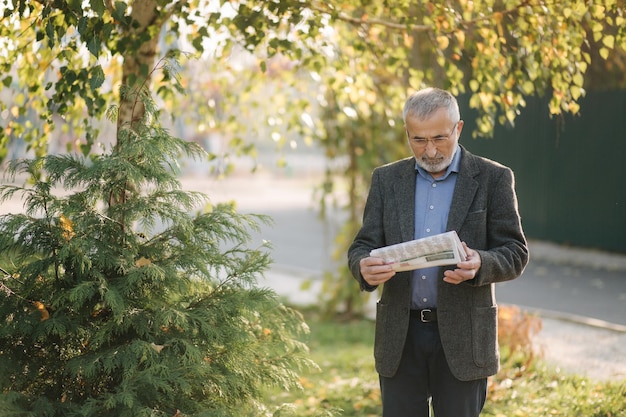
x: 117, y: 299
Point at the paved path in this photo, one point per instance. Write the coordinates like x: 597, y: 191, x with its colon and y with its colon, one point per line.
x: 580, y: 295
x: 585, y: 284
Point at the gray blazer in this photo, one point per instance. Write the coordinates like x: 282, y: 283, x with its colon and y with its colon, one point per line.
x: 484, y: 213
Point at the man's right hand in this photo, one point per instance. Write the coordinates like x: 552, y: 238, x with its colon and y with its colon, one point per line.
x: 374, y: 271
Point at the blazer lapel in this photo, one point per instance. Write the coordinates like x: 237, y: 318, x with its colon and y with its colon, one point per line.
x: 404, y: 192
x: 464, y: 191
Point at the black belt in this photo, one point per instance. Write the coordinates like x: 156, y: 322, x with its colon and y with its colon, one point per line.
x: 427, y: 315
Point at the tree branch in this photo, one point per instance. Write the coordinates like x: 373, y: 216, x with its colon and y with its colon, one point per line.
x: 361, y: 21
x: 342, y: 16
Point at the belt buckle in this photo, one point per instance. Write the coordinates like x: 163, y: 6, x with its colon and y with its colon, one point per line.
x: 422, y: 317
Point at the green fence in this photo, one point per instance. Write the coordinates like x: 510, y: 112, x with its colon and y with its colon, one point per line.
x: 570, y: 171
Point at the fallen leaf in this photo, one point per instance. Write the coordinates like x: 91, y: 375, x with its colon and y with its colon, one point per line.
x: 156, y: 347
x: 67, y: 226
x: 142, y: 262
x: 45, y: 315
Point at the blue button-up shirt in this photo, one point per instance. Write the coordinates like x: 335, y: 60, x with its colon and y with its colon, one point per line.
x: 433, y: 198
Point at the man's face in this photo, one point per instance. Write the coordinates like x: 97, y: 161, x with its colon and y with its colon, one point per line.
x: 434, y: 140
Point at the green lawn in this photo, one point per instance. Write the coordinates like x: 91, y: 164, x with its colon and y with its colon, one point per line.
x: 347, y: 384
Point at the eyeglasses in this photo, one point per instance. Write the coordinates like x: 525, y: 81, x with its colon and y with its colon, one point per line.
x: 437, y: 140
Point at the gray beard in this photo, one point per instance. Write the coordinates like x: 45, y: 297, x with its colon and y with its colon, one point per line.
x: 437, y: 165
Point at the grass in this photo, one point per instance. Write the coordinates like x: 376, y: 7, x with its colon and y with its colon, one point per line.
x: 347, y: 383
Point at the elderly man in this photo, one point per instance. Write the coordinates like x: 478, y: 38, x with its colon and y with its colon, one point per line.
x: 436, y: 328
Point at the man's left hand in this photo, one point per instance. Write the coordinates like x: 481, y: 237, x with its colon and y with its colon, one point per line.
x: 466, y: 270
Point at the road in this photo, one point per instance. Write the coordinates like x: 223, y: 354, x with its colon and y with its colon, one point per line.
x: 583, y: 284
x: 575, y: 290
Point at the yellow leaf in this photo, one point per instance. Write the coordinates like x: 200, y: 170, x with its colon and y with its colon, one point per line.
x: 576, y: 92
x: 497, y: 16
x: 598, y: 11
x: 604, y: 53
x: 573, y: 107
x: 67, y: 226
x: 42, y: 309
x: 528, y: 87
x: 142, y: 262
x: 443, y: 42
x: 407, y: 40
x: 485, y: 99
x: 578, y: 79
x: 19, y: 99
x: 156, y: 347
x: 609, y: 41
x: 460, y: 37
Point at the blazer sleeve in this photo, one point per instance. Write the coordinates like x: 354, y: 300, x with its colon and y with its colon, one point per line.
x: 503, y: 249
x: 371, y: 234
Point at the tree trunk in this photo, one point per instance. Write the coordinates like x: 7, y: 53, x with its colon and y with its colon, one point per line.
x: 136, y: 70
x: 138, y: 63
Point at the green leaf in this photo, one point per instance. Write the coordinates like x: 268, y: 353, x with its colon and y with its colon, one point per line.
x: 96, y: 78
x: 119, y: 12
x: 197, y: 43
x: 94, y: 46
x: 75, y: 5
x: 50, y: 33
x: 97, y: 6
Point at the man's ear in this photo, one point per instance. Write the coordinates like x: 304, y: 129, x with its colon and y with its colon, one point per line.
x: 459, y: 128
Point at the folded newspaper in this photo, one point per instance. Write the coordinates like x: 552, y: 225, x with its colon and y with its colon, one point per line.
x: 438, y: 250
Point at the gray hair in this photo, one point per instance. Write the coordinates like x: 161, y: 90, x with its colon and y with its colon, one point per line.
x: 423, y: 103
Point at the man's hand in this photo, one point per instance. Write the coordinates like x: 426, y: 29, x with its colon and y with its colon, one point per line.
x: 374, y: 271
x: 465, y: 270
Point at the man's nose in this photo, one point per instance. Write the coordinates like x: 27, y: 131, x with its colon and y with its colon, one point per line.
x: 431, y: 149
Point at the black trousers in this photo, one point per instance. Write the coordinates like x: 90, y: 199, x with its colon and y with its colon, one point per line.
x: 424, y: 377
